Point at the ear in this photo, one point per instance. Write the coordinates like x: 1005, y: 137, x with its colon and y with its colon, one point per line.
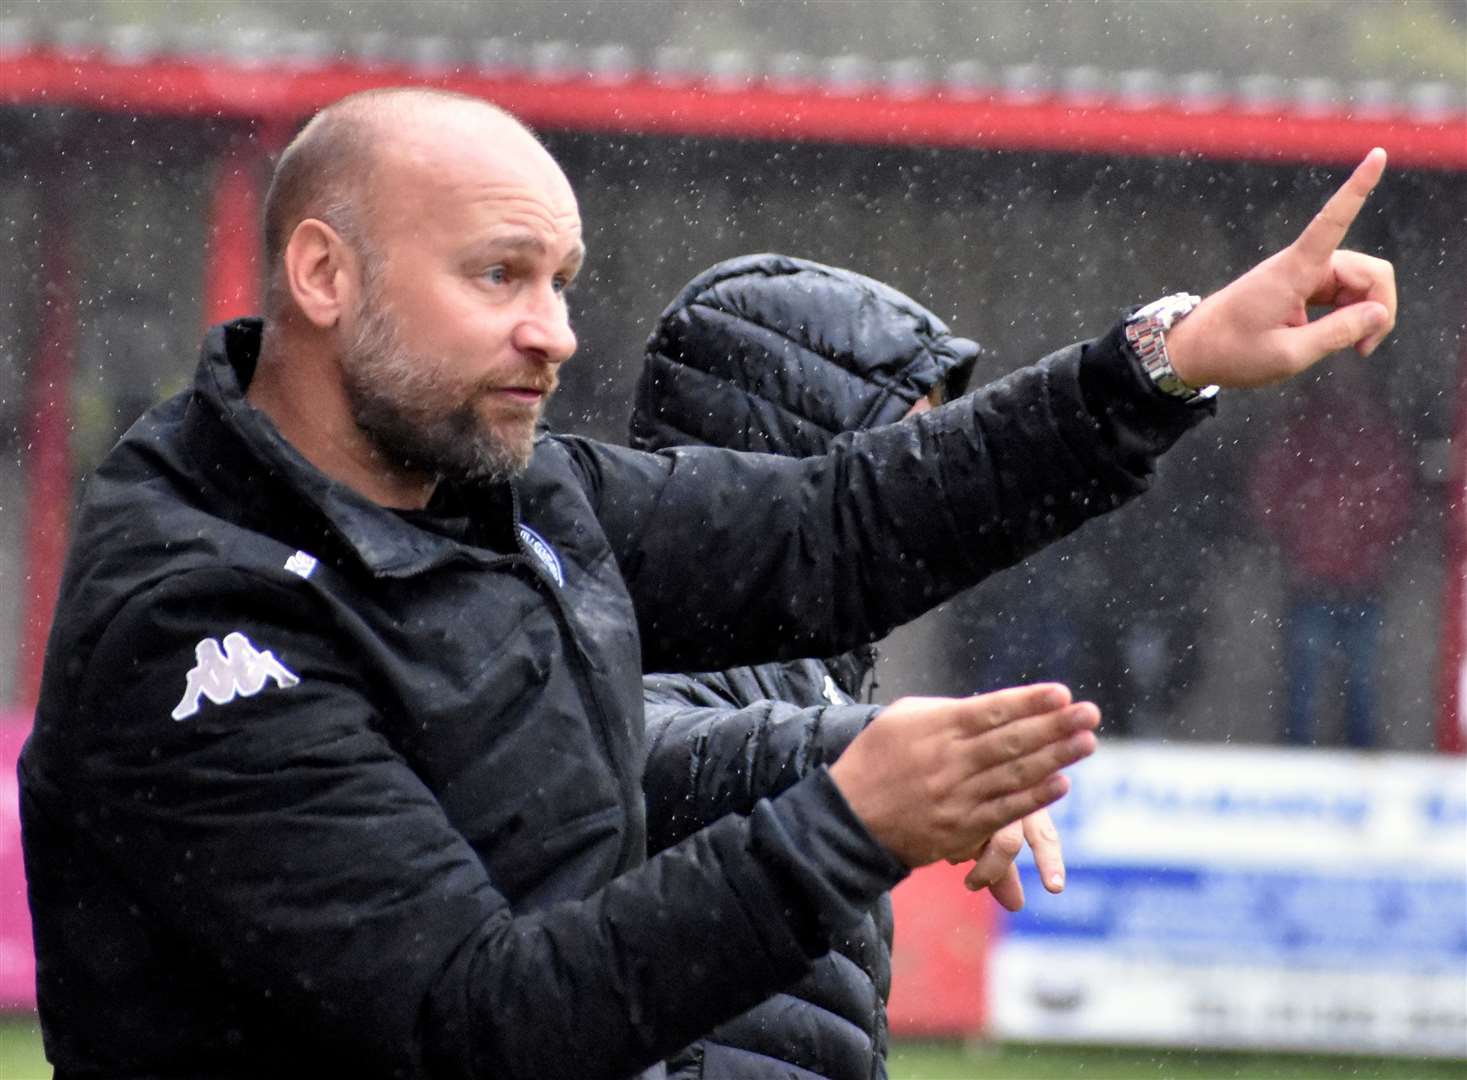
x: 322, y: 272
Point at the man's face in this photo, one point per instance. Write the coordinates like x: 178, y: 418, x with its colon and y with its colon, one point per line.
x: 461, y: 326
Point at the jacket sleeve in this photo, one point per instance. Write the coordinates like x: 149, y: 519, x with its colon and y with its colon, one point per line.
x: 279, y: 834
x: 738, y: 558
x: 711, y: 752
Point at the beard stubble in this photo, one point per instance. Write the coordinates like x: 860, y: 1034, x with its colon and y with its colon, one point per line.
x: 419, y: 420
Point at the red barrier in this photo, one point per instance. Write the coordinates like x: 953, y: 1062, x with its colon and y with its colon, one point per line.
x: 939, y: 965
x: 17, y: 959
x: 232, y: 276
x: 218, y: 89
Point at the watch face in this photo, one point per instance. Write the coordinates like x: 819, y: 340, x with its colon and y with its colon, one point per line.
x: 1168, y: 309
x: 1154, y: 308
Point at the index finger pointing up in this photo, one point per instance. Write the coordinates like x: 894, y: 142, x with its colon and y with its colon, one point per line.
x: 1323, y: 235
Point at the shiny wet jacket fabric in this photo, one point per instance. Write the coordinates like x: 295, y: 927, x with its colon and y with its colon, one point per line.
x: 780, y: 355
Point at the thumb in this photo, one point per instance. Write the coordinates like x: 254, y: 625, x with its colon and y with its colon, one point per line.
x: 1338, y: 330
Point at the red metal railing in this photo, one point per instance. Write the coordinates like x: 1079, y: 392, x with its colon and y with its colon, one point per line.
x: 811, y: 111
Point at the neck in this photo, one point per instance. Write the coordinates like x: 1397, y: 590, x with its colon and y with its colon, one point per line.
x: 297, y: 384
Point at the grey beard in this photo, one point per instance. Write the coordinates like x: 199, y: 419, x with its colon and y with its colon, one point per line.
x: 392, y: 395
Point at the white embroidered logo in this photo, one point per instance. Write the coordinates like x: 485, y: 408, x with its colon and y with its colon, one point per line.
x: 236, y: 668
x: 301, y: 563
x: 832, y: 693
x: 543, y: 552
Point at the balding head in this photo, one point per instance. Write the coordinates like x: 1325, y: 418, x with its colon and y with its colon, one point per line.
x: 421, y: 244
x: 327, y: 170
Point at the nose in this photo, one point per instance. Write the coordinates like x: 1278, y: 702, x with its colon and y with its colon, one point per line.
x: 545, y: 329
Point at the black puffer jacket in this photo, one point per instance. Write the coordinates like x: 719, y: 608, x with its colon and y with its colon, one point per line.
x: 780, y: 355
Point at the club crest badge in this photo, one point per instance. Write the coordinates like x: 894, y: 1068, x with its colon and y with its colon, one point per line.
x: 544, y: 554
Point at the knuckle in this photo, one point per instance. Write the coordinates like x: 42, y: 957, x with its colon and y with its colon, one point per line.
x: 1010, y: 808
x: 945, y: 817
x: 1293, y: 359
x: 984, y: 819
x: 934, y: 792
x: 1331, y: 220
x: 1008, y: 845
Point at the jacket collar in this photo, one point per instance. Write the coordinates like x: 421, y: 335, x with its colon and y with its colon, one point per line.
x: 246, y: 445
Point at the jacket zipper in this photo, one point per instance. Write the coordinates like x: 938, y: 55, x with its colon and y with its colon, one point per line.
x: 585, y: 682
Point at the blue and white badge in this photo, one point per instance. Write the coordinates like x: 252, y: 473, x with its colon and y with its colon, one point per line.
x: 544, y: 554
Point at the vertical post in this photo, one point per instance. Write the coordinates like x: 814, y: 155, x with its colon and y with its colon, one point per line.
x: 48, y: 459
x: 232, y: 268
x: 940, y: 966
x: 1451, y: 728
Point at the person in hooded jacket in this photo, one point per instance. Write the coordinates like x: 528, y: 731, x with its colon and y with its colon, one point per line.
x: 767, y: 369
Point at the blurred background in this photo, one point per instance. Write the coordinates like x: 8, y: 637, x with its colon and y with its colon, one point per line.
x: 1292, y: 586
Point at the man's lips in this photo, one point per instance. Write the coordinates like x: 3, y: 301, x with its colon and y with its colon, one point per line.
x: 523, y: 393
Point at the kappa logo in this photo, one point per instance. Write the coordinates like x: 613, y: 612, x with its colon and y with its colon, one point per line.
x: 544, y: 554
x: 223, y: 672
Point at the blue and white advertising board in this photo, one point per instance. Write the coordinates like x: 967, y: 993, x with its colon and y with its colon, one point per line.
x: 1238, y: 897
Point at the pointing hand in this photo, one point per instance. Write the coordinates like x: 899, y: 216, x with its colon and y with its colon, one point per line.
x: 1256, y: 330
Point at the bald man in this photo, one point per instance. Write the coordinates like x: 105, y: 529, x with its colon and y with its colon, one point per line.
x: 336, y: 767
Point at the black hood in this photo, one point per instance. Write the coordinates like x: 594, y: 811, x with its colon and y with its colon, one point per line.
x: 780, y: 355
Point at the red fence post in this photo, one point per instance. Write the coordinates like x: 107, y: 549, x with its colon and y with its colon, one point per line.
x: 232, y: 282
x: 939, y: 964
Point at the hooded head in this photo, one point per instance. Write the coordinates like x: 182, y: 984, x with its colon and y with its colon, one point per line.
x: 780, y: 355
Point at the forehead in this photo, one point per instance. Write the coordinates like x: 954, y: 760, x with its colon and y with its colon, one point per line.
x: 458, y: 172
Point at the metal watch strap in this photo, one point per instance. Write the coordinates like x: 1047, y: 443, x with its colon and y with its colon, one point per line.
x: 1146, y: 335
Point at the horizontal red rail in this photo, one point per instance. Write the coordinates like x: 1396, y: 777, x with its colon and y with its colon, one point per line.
x: 642, y: 104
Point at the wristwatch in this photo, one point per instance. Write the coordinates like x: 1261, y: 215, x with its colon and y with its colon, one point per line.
x: 1146, y: 335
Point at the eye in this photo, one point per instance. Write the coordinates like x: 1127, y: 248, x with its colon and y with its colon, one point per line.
x: 496, y: 275
x: 562, y: 284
